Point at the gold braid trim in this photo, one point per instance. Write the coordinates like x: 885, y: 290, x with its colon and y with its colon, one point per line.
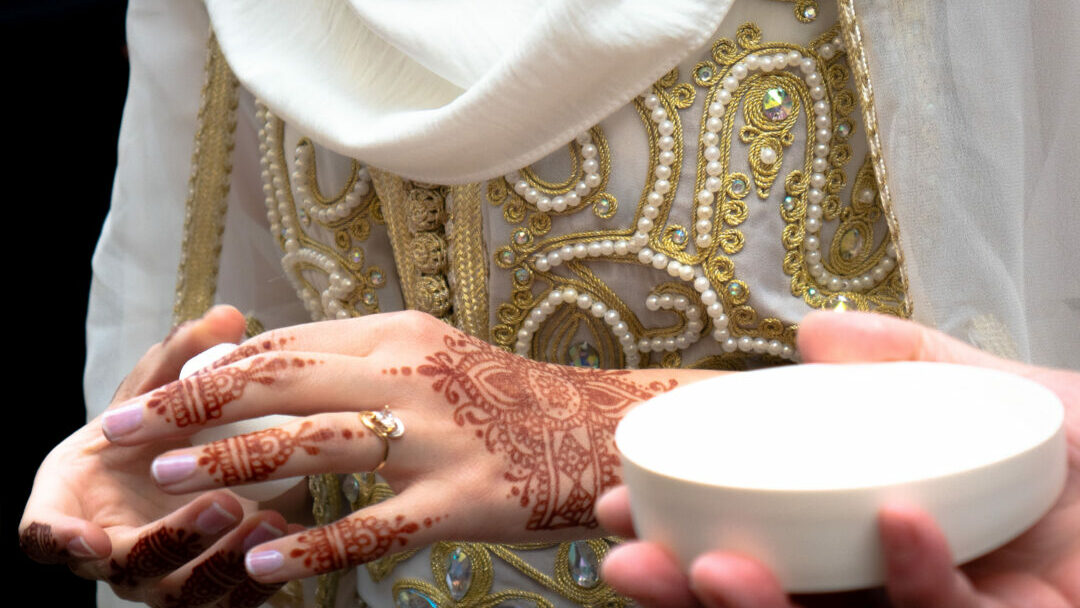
x: 391, y: 190
x: 208, y: 189
x: 853, y: 42
x: 328, y: 507
x: 468, y: 261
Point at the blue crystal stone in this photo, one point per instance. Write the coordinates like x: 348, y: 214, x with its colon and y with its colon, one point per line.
x: 584, y: 566
x: 678, y: 236
x: 411, y: 598
x: 459, y: 573
x: 584, y: 354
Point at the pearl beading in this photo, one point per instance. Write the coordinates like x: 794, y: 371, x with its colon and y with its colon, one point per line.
x: 572, y: 199
x: 361, y: 186
x: 327, y: 303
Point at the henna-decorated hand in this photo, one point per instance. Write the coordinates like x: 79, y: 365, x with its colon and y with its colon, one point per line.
x: 496, y: 447
x: 95, y: 507
x: 1040, y: 569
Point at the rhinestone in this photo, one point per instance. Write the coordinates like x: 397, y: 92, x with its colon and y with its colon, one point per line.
x: 789, y: 203
x: 811, y: 291
x: 369, y: 298
x: 809, y: 13
x: 851, y: 244
x: 350, y: 486
x: 377, y: 278
x: 584, y: 354
x: 411, y: 598
x: 735, y: 290
x: 506, y: 256
x: 388, y: 420
x: 704, y: 72
x: 603, y: 205
x: 304, y: 217
x: 840, y: 302
x: 777, y: 104
x: 458, y: 573
x: 738, y: 185
x: 843, y: 129
x: 521, y: 275
x: 584, y: 567
x: 678, y: 236
x: 521, y: 236
x: 356, y: 255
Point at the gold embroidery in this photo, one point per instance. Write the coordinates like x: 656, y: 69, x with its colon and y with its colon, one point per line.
x: 468, y: 261
x: 805, y: 10
x: 327, y: 508
x: 853, y: 37
x: 211, y: 165
x: 351, y: 284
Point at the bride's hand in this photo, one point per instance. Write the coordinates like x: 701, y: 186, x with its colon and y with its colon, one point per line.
x: 95, y: 507
x: 1041, y: 568
x: 496, y: 447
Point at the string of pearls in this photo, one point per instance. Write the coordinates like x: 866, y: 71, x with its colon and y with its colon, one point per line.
x: 587, y: 302
x: 361, y: 186
x: 572, y: 199
x: 327, y: 303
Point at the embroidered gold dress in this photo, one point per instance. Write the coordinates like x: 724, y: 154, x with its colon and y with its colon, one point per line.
x: 692, y: 226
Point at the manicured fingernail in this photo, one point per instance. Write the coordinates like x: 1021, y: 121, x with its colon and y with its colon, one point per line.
x: 171, y: 469
x: 214, y: 519
x: 261, y: 534
x: 78, y: 547
x: 122, y: 420
x: 263, y: 562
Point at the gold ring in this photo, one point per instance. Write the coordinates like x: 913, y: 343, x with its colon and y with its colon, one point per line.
x: 387, y: 426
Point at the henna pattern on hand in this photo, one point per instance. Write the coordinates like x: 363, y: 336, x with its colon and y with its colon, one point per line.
x: 554, y: 424
x: 200, y: 397
x: 155, y: 554
x: 351, y: 541
x: 250, y: 594
x: 251, y: 349
x: 210, y: 580
x: 38, y: 543
x: 255, y: 456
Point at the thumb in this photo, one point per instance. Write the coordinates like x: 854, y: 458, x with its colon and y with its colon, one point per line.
x: 851, y: 337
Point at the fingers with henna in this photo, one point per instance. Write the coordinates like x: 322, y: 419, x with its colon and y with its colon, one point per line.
x: 53, y: 538
x: 276, y: 383
x: 316, y: 444
x: 158, y: 548
x: 414, y: 518
x: 219, y: 572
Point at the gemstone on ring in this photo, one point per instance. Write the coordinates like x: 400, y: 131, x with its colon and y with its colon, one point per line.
x: 386, y: 419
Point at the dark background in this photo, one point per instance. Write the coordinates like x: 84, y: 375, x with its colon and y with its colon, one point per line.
x: 64, y: 88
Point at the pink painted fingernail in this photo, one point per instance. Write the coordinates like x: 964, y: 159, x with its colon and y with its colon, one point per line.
x: 78, y: 547
x: 122, y: 420
x: 214, y: 519
x: 171, y: 469
x: 259, y: 563
x: 261, y: 534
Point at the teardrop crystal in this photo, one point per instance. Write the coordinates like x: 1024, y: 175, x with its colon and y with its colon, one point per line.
x: 584, y: 567
x: 459, y: 573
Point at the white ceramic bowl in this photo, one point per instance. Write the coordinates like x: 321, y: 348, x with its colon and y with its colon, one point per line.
x: 790, y: 465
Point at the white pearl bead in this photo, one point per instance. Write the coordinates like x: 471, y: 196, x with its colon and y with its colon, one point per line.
x: 746, y: 344
x: 704, y: 211
x: 704, y: 197
x: 662, y: 172
x: 567, y: 252
x: 807, y: 66
x: 667, y: 158
x: 643, y: 345
x: 819, y: 165
x: 768, y: 155
x: 666, y: 301
x: 659, y: 261
x: 666, y: 127
x: 701, y: 284
x: 594, y: 250
x: 708, y: 297
x: 813, y: 257
x: 651, y: 101
x: 811, y: 243
x: 659, y: 114
x: 703, y: 240
x: 581, y: 251
x: 752, y: 62
x: 569, y: 295
x: 558, y: 203
x: 821, y: 150
x: 866, y: 196
x: 582, y: 189
x: 720, y: 320
x: 554, y: 258
x: 652, y: 302
x: 815, y: 196
x: 813, y: 225
x: 712, y: 153
x: 611, y: 317
x: 834, y: 284
x: 703, y: 226
x: 813, y: 79
x: 765, y: 63
x: 716, y: 109
x: 598, y: 309
x: 723, y: 96
x: 541, y: 264
x: 572, y: 199
x: 729, y: 345
x: 544, y: 204
x: 584, y: 301
x: 666, y: 143
x: 620, y: 247
x: 817, y: 92
x: 814, y: 211
x: 822, y: 122
x: 686, y: 272
x: 645, y: 256
x: 817, y: 180
x: 662, y: 186
x: 669, y: 344
x: 794, y: 57
x: 760, y: 345
x: 673, y: 268
x: 713, y: 124
x: 739, y: 71
x: 681, y: 342
x: 607, y: 247
x: 592, y: 180
x: 823, y: 135
x: 709, y: 139
x: 656, y: 344
x: 827, y: 51
x: 821, y: 107
x: 713, y: 184
x: 714, y: 168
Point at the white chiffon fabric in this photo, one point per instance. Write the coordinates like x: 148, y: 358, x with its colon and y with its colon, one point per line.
x: 974, y: 105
